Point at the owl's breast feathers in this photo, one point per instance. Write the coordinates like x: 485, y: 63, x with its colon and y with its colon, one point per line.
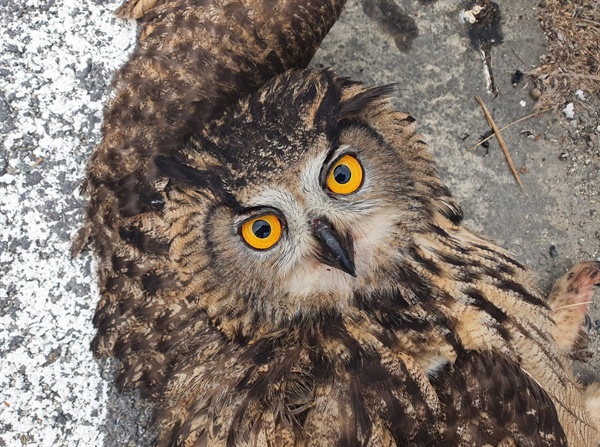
x: 455, y: 351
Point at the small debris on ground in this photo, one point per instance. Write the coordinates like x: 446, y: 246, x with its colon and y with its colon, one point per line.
x: 485, y: 136
x: 572, y: 59
x: 517, y: 77
x: 535, y: 93
x: 569, y: 111
x: 485, y: 31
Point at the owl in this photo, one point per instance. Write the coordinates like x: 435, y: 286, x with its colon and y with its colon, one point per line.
x: 281, y: 265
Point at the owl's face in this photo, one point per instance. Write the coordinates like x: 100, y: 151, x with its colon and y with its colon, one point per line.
x: 320, y: 187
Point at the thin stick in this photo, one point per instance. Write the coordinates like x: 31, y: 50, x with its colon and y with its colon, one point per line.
x: 573, y: 305
x: 568, y: 74
x: 580, y: 76
x: 500, y: 140
x: 593, y: 22
x: 518, y: 57
x: 472, y: 148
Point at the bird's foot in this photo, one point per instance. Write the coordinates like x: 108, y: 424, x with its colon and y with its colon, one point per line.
x: 570, y: 299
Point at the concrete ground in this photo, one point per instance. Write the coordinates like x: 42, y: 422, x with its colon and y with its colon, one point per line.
x: 56, y: 61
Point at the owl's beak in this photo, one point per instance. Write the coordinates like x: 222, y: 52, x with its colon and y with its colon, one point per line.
x: 337, y: 251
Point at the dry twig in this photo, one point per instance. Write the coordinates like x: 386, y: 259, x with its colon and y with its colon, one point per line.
x: 472, y: 148
x: 500, y: 140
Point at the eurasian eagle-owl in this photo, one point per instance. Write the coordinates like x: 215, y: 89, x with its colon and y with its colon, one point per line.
x: 280, y: 263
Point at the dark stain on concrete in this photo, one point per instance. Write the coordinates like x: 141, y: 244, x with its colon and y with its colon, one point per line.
x: 393, y: 21
x: 486, y: 32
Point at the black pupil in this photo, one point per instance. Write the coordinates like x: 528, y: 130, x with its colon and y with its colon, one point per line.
x: 261, y: 229
x: 342, y: 174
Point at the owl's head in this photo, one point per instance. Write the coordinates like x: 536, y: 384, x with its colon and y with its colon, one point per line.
x: 301, y: 198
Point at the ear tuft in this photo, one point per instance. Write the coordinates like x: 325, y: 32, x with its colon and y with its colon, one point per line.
x: 356, y: 104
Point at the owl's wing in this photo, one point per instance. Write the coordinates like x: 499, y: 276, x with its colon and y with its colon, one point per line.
x: 194, y: 59
x: 489, y: 400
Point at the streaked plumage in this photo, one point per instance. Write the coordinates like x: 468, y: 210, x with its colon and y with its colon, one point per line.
x: 376, y: 318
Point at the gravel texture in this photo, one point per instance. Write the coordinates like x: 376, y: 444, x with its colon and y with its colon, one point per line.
x: 56, y: 61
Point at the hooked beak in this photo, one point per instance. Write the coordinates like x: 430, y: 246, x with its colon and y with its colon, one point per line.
x: 337, y: 251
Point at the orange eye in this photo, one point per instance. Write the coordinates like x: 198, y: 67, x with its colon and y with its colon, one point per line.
x: 262, y: 232
x: 345, y: 176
